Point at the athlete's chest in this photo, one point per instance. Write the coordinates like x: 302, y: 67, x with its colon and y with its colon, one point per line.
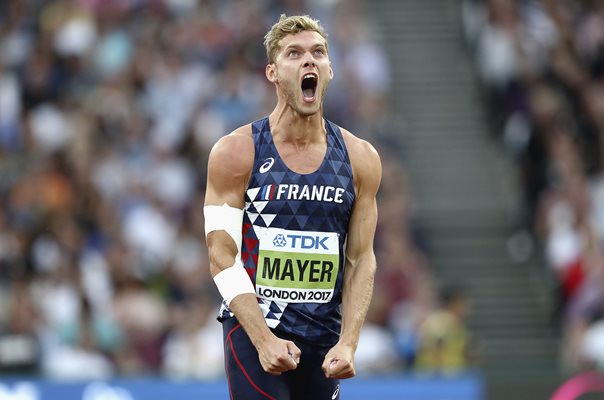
x: 300, y: 188
x: 301, y: 160
x: 321, y: 200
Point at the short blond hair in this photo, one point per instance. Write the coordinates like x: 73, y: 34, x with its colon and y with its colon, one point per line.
x: 289, y: 26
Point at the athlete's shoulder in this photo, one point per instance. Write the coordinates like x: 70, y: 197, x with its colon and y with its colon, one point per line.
x: 239, y: 139
x: 234, y: 153
x: 365, y: 159
x: 360, y: 150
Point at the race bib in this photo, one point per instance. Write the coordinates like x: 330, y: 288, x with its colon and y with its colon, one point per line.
x: 297, y: 266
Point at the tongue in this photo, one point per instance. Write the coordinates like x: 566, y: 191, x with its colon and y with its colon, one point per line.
x: 309, y: 93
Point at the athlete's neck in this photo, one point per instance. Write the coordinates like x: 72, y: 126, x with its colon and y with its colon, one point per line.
x: 289, y: 126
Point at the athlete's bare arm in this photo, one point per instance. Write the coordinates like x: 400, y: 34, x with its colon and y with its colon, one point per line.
x: 229, y: 168
x: 360, y: 264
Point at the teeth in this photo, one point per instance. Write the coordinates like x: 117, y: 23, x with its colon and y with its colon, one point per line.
x: 308, y: 76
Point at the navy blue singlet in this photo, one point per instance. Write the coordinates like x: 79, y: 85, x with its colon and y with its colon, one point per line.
x: 294, y: 230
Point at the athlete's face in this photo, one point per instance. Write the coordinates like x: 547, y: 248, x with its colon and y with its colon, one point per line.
x: 302, y: 71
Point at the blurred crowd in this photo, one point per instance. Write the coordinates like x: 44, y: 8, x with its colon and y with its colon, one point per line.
x: 542, y: 65
x: 108, y: 109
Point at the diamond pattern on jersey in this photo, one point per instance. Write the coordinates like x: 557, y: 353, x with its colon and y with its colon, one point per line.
x: 272, y: 311
x: 277, y: 197
x: 317, y: 328
x: 249, y: 249
x: 268, y: 219
x: 259, y: 205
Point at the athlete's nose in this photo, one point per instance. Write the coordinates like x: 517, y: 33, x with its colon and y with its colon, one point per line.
x: 309, y: 60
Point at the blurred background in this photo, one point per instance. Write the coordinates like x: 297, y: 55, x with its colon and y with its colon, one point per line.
x: 489, y: 118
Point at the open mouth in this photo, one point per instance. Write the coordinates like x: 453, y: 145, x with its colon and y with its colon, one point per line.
x: 309, y: 87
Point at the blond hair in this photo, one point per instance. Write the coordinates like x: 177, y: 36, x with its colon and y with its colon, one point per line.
x: 289, y: 26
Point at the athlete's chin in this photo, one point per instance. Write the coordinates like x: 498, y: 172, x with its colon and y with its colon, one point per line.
x: 309, y: 109
x: 306, y: 114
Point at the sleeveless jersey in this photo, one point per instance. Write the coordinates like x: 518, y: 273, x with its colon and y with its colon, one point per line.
x: 294, y: 231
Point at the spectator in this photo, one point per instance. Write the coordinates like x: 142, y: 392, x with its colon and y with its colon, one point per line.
x: 190, y: 350
x: 445, y: 339
x: 82, y: 352
x: 107, y: 112
x: 541, y: 64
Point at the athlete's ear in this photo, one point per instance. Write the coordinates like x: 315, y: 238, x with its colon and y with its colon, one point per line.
x: 330, y: 71
x: 271, y: 72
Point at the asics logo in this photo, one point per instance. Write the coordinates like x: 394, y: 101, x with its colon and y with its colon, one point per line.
x: 268, y: 163
x: 336, y: 393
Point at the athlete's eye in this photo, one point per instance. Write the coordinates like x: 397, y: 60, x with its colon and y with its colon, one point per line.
x: 319, y: 52
x: 293, y: 53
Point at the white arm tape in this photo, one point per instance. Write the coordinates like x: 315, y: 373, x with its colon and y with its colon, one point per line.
x: 224, y: 218
x: 233, y: 281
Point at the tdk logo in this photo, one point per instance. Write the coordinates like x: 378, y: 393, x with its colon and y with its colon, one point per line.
x: 308, y: 242
x: 279, y: 240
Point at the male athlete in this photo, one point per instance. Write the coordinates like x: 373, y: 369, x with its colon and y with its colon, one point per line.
x: 290, y: 216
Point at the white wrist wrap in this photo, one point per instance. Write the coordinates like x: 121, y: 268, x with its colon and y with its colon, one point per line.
x: 231, y: 281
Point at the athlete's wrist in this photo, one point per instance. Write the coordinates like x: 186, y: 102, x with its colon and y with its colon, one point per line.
x: 260, y: 344
x: 349, y: 341
x: 262, y: 339
x: 246, y: 310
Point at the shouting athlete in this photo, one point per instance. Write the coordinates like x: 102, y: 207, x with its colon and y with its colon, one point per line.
x: 290, y: 217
